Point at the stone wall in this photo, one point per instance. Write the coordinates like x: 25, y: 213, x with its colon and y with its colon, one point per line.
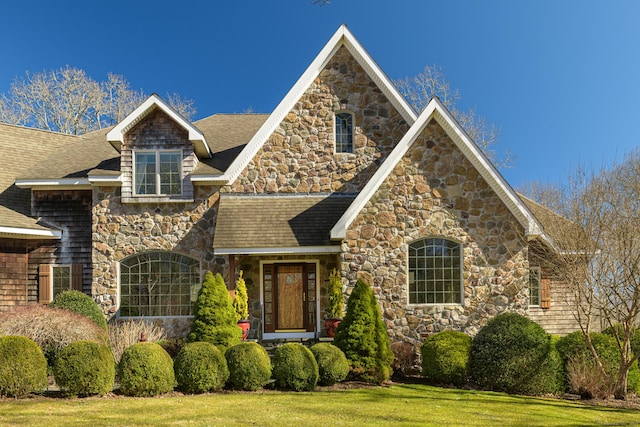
x: 300, y: 155
x: 434, y: 191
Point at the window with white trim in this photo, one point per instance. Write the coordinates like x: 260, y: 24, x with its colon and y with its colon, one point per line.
x: 435, y: 272
x: 344, y: 132
x: 157, y: 173
x: 158, y: 284
x: 534, y: 286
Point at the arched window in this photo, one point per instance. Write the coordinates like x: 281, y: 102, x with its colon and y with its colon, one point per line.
x: 158, y: 284
x: 344, y: 132
x: 435, y: 273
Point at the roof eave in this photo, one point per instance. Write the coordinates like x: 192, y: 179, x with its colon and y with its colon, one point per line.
x: 55, y: 184
x: 332, y: 249
x: 29, y: 234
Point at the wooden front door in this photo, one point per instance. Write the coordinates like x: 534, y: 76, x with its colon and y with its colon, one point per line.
x: 289, y: 297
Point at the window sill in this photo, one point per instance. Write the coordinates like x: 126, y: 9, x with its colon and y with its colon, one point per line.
x: 156, y: 199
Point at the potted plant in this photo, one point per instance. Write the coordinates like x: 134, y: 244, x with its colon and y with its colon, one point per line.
x: 335, y: 303
x: 241, y: 307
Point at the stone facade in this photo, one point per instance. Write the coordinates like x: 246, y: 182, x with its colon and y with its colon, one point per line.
x: 435, y: 192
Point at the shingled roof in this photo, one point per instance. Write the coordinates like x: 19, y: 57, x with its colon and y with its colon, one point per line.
x: 293, y: 223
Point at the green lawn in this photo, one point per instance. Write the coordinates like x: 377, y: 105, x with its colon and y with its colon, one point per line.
x: 400, y: 404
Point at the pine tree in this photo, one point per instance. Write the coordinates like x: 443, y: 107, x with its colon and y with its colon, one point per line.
x: 363, y: 338
x: 215, y: 319
x: 240, y: 301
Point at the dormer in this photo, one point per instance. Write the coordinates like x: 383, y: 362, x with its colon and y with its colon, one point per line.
x: 159, y: 149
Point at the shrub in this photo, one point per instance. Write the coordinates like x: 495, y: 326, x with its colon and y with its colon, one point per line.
x: 81, y: 303
x: 249, y: 366
x: 85, y: 368
x: 404, y: 359
x: 240, y: 301
x: 445, y: 357
x: 336, y: 300
x: 363, y: 338
x: 124, y: 333
x: 333, y: 366
x: 200, y: 367
x: 173, y: 346
x: 295, y: 368
x: 514, y: 354
x: 583, y: 375
x: 23, y: 367
x: 145, y: 369
x: 214, y: 318
x: 51, y: 328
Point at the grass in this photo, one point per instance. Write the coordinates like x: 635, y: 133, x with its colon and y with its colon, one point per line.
x: 400, y: 404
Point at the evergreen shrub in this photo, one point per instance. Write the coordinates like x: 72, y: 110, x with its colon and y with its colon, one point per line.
x: 23, y: 367
x: 295, y: 368
x: 333, y: 366
x: 445, y: 357
x: 214, y: 317
x: 200, y: 367
x: 363, y: 338
x: 81, y: 303
x: 249, y: 366
x: 85, y: 368
x: 145, y: 369
x: 514, y: 354
x: 240, y: 301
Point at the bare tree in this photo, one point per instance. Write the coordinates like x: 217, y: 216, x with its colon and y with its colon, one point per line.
x: 67, y: 100
x: 431, y: 82
x: 600, y: 256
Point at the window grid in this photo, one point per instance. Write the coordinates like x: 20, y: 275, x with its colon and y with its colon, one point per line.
x: 60, y: 279
x: 158, y: 173
x: 534, y: 286
x: 344, y: 133
x: 434, y: 272
x: 158, y: 284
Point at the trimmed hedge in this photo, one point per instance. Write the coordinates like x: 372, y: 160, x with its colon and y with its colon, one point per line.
x: 333, y: 366
x: 363, y: 338
x: 85, y: 368
x: 146, y: 369
x: 200, y: 367
x: 249, y: 366
x: 23, y: 367
x: 295, y: 368
x: 445, y: 357
x: 514, y: 354
x: 81, y: 303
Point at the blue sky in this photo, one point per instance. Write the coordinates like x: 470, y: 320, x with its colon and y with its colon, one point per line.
x: 559, y: 78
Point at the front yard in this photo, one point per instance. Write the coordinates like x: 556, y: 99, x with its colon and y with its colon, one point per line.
x: 399, y: 404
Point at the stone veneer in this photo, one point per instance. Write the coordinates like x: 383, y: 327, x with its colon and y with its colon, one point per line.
x: 300, y: 157
x: 434, y: 191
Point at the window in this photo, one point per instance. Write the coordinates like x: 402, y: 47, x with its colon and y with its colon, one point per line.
x: 534, y: 286
x: 344, y: 133
x: 60, y: 279
x: 158, y: 173
x: 158, y: 284
x: 435, y: 275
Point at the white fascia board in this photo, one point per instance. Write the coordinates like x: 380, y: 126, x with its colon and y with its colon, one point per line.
x: 27, y: 233
x: 209, y: 179
x: 279, y: 251
x: 106, y: 180
x: 55, y: 184
x: 116, y: 135
x: 341, y: 37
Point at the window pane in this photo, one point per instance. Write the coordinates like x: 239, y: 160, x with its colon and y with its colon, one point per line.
x: 170, y: 179
x: 61, y: 279
x: 344, y: 133
x: 434, y: 272
x: 145, y: 169
x: 534, y: 286
x: 158, y: 284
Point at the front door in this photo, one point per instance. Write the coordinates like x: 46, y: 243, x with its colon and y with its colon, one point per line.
x: 289, y: 297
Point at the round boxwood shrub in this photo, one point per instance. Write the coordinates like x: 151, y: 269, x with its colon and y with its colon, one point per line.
x: 333, y: 365
x: 249, y: 366
x: 445, y: 357
x: 295, y: 368
x: 363, y: 338
x: 514, y: 354
x: 85, y: 368
x: 145, y: 369
x: 80, y: 303
x: 23, y: 367
x: 200, y: 367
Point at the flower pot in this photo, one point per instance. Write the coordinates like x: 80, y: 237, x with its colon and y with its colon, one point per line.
x: 331, y: 325
x: 245, y: 325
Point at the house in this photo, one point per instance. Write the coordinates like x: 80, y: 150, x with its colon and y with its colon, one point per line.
x: 343, y: 174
